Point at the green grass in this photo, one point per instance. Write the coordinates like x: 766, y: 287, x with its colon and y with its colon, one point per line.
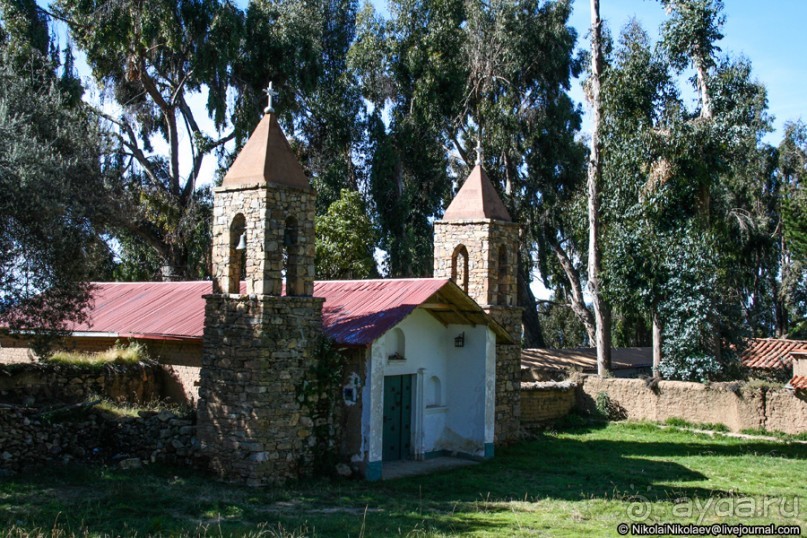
x: 120, y: 354
x: 707, y: 426
x: 582, y: 480
x: 780, y: 435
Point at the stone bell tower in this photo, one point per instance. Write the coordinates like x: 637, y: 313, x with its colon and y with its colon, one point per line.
x: 261, y: 335
x: 476, y: 245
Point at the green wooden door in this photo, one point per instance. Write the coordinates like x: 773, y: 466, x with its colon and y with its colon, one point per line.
x: 397, y: 417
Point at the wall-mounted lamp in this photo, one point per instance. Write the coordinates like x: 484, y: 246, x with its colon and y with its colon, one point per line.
x: 459, y: 341
x: 242, y: 242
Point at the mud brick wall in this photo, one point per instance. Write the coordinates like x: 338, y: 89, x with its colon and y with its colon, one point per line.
x: 31, y: 383
x: 736, y: 405
x: 258, y: 356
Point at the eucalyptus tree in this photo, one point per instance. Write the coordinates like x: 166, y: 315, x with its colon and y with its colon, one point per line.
x: 410, y: 71
x: 689, y: 210
x: 791, y: 233
x: 602, y: 310
x: 150, y: 57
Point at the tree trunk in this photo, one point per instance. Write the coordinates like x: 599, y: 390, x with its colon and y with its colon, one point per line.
x: 705, y: 197
x: 526, y: 299
x: 602, y: 313
x: 657, y: 342
x: 578, y: 302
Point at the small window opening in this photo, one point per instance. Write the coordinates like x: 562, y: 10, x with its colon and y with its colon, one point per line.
x: 502, y: 280
x: 459, y: 267
x: 291, y: 257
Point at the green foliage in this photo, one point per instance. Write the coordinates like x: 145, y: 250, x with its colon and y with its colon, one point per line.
x: 792, y: 176
x: 560, y: 327
x: 26, y: 32
x: 691, y: 198
x: 608, y: 409
x: 699, y: 320
x: 692, y: 30
x: 53, y: 200
x: 345, y: 240
x: 152, y: 58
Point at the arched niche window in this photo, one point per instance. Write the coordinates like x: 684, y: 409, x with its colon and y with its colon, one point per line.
x: 459, y: 267
x: 291, y: 256
x: 237, y: 265
x: 434, y: 392
x: 502, y: 280
x: 396, y: 345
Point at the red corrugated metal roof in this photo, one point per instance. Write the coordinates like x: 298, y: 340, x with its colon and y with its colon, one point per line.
x: 355, y: 312
x: 771, y: 352
x: 147, y: 309
x: 799, y: 382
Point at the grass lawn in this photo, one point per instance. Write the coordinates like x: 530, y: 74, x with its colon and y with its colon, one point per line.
x: 583, y: 480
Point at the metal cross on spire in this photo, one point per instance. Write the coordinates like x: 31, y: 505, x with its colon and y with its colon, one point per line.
x: 270, y: 93
x: 479, y: 151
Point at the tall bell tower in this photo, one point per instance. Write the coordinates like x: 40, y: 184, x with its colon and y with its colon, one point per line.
x: 262, y: 324
x: 476, y: 245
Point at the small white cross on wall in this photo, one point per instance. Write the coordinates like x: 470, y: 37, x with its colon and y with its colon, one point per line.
x: 270, y: 93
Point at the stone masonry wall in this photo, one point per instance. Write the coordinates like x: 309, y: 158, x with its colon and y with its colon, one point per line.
x: 545, y: 402
x: 508, y: 374
x: 736, y: 405
x: 482, y: 239
x: 508, y: 394
x: 29, y: 437
x: 257, y: 360
x: 265, y: 209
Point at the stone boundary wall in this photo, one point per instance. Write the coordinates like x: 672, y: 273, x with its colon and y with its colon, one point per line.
x: 30, y: 383
x: 543, y: 402
x: 30, y: 437
x: 734, y: 404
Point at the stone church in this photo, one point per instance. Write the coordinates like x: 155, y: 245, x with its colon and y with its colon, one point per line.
x: 443, y: 379
x: 293, y: 376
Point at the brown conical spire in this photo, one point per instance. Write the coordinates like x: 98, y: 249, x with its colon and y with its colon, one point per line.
x: 477, y: 200
x: 267, y: 158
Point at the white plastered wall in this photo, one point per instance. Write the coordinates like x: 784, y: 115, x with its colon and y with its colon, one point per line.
x: 461, y: 418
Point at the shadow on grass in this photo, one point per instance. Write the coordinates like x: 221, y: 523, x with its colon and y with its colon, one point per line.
x: 576, y: 466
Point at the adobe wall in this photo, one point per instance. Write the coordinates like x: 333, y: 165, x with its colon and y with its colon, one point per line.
x: 543, y: 402
x: 735, y: 404
x: 179, y: 361
x: 256, y: 411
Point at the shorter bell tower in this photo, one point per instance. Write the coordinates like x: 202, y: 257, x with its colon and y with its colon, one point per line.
x: 262, y: 323
x: 476, y: 245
